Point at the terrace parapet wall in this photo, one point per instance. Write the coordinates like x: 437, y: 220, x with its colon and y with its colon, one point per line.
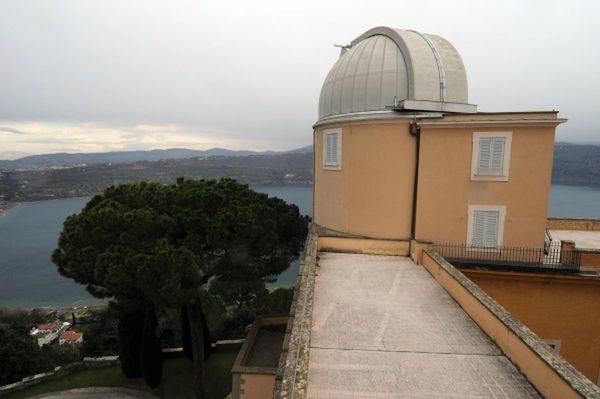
x: 583, y: 224
x: 589, y: 258
x: 97, y: 362
x: 292, y: 372
x: 335, y: 241
x: 550, y: 374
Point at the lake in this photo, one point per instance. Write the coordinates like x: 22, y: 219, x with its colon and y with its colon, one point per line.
x: 28, y: 235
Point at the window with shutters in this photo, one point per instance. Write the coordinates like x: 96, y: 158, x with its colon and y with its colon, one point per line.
x: 332, y: 149
x: 486, y: 225
x: 491, y: 156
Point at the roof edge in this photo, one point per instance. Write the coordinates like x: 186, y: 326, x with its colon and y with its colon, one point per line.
x: 388, y: 115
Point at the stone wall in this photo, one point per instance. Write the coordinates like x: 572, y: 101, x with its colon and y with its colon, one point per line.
x: 97, y: 362
x: 292, y: 372
x: 583, y: 224
x: 589, y: 258
x: 550, y: 374
x: 26, y: 382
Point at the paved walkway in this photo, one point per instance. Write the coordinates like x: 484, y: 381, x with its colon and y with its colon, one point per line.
x: 384, y: 328
x: 583, y: 239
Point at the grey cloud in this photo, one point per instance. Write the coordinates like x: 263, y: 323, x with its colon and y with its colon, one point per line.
x: 140, y: 135
x: 51, y: 140
x: 253, y: 71
x: 14, y: 131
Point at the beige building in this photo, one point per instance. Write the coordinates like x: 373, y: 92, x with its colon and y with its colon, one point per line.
x: 405, y: 165
x: 430, y: 269
x: 401, y: 155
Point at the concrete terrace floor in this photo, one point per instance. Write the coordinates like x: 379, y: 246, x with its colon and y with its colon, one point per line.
x: 583, y: 239
x: 384, y: 328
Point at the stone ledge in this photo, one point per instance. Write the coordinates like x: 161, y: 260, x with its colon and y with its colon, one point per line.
x: 97, y: 362
x: 582, y: 224
x: 561, y: 367
x: 35, y: 379
x: 292, y: 372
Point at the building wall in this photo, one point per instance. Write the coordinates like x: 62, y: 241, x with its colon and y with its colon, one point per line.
x: 372, y: 193
x: 555, y: 307
x: 445, y: 188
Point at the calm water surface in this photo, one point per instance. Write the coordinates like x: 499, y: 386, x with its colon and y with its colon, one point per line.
x: 28, y: 235
x: 574, y: 201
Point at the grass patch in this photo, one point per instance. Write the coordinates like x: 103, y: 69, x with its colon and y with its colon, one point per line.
x: 176, y: 381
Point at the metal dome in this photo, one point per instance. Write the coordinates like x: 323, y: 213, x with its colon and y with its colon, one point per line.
x: 391, y: 69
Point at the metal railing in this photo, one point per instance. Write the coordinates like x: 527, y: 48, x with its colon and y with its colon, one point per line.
x: 552, y: 257
x: 547, y: 241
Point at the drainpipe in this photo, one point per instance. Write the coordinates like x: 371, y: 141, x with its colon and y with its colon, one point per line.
x: 313, y: 176
x: 415, y: 130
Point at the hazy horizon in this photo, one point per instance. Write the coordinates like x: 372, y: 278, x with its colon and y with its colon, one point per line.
x: 13, y: 155
x: 140, y: 75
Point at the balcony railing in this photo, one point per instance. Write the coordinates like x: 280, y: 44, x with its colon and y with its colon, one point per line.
x: 552, y: 257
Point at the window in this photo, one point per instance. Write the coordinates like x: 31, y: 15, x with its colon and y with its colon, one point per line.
x: 491, y: 156
x: 332, y: 149
x: 486, y: 225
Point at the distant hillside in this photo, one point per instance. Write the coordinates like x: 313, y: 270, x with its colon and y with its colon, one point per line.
x: 577, y: 164
x: 6, y: 155
x: 303, y: 150
x: 66, y: 159
x: 77, y: 181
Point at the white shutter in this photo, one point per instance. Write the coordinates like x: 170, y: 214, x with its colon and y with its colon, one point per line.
x: 478, y: 228
x: 485, y: 228
x: 497, y: 158
x: 485, y: 155
x: 331, y: 150
x: 334, y: 148
x: 491, y: 156
x: 491, y: 228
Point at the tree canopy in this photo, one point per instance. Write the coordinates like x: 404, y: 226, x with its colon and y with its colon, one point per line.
x: 152, y: 245
x: 158, y: 242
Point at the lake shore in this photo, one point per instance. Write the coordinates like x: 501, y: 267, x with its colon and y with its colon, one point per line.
x: 6, y: 205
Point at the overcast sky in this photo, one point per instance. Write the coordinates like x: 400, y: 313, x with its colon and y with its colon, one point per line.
x: 116, y: 75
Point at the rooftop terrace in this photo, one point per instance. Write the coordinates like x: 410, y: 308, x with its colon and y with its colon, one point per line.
x: 366, y: 325
x: 382, y: 326
x: 582, y: 239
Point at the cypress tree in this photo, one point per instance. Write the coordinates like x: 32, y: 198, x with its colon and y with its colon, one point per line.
x: 186, y: 338
x: 205, y: 334
x: 151, y: 351
x: 130, y: 334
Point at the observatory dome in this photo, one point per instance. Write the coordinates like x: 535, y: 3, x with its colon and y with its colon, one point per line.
x: 389, y: 69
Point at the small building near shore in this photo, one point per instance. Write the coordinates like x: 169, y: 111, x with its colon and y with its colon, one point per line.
x: 70, y: 337
x: 44, y: 329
